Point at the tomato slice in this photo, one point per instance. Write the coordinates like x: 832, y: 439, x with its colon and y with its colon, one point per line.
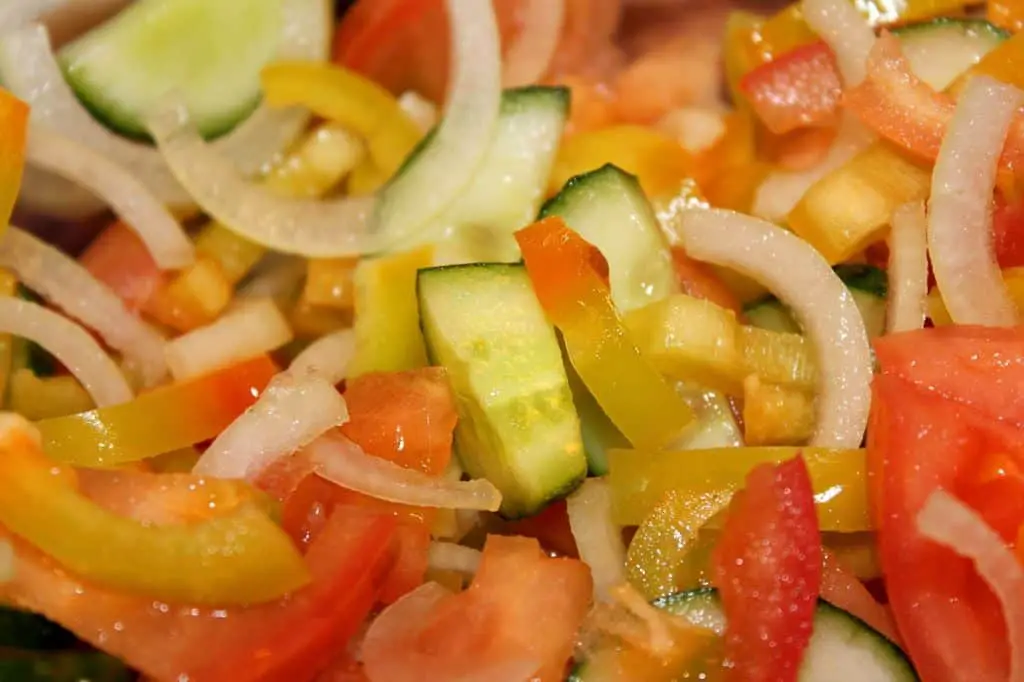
x: 767, y: 566
x: 404, y: 417
x: 120, y: 259
x: 522, y: 607
x: 1008, y: 232
x: 945, y: 404
x: 289, y: 640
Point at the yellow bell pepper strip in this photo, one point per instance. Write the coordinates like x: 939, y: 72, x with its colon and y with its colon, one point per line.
x: 1012, y: 277
x: 42, y: 397
x: 330, y: 282
x: 576, y: 297
x: 658, y: 161
x: 1008, y: 14
x: 347, y: 98
x: 8, y: 287
x: 235, y: 255
x: 193, y: 298
x: 731, y: 168
x: 322, y: 160
x: 165, y: 419
x: 240, y: 557
x: 850, y: 207
x: 387, y: 324
x: 13, y: 132
x: 856, y: 551
x: 310, y: 321
x: 639, y: 480
x: 690, y: 339
x: 657, y: 559
x: 778, y: 357
x: 776, y: 415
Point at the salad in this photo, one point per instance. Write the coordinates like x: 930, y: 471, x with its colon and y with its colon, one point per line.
x: 524, y: 340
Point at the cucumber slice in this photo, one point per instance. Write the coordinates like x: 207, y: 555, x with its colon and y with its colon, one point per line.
x: 517, y: 424
x: 608, y: 209
x: 942, y: 49
x: 24, y: 630
x: 209, y: 51
x: 868, y: 285
x: 843, y: 648
x: 509, y: 186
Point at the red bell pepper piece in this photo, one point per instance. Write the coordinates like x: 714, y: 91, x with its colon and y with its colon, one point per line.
x: 767, y: 566
x: 798, y: 89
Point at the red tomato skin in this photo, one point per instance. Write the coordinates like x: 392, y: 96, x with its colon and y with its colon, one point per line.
x: 1008, y: 232
x: 767, y: 566
x: 120, y: 259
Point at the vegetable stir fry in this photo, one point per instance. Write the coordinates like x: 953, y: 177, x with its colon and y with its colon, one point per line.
x: 511, y: 340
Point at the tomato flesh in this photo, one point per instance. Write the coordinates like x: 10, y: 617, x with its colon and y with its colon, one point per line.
x: 767, y: 566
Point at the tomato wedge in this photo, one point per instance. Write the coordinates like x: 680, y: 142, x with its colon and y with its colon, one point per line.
x: 120, y: 259
x: 285, y: 641
x: 947, y: 400
x: 767, y: 566
x: 522, y: 608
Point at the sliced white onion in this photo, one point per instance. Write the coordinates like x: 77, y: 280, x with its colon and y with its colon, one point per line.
x: 782, y: 190
x: 31, y: 72
x: 324, y: 229
x: 253, y: 328
x: 947, y: 521
x: 70, y: 344
x: 344, y: 463
x: 15, y: 13
x: 329, y: 356
x: 419, y: 109
x: 802, y: 279
x: 959, y: 217
x: 449, y: 556
x: 277, y: 276
x: 848, y: 34
x: 66, y: 284
x: 527, y: 59
x: 293, y: 411
x: 598, y: 539
x: 130, y: 199
x: 908, y: 268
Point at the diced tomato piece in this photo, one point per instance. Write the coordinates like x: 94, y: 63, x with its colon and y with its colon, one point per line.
x: 798, y: 89
x: 1008, y: 232
x: 946, y: 414
x: 523, y: 607
x: 550, y: 527
x: 697, y: 279
x: 284, y: 641
x: 767, y: 566
x: 403, y: 417
x: 119, y: 259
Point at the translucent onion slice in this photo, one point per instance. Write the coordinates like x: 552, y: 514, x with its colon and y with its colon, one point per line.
x: 30, y: 70
x: 908, y: 269
x: 598, y: 539
x: 70, y: 344
x: 130, y: 199
x: 253, y: 328
x: 323, y: 229
x: 344, y: 463
x: 329, y: 356
x: 15, y: 13
x: 449, y: 556
x: 292, y: 412
x: 841, y: 26
x: 66, y: 284
x: 947, y: 521
x: 795, y: 272
x: 528, y: 58
x: 959, y: 215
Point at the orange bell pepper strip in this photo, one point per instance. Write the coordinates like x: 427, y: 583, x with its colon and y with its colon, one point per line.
x: 163, y: 420
x: 577, y: 300
x: 14, y: 127
x: 241, y: 557
x: 1008, y: 14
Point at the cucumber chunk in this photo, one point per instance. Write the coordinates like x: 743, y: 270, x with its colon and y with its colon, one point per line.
x: 208, y: 51
x: 843, y: 648
x: 517, y: 424
x: 508, y: 187
x: 608, y: 209
x: 942, y: 49
x: 868, y: 285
